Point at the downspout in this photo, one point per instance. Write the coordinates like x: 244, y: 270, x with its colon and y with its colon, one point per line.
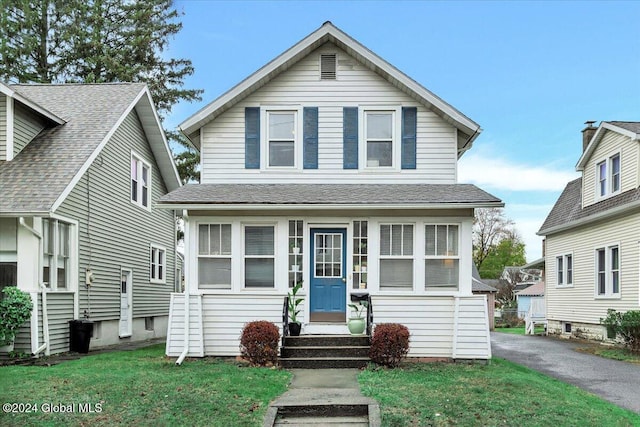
x: 186, y: 298
x: 45, y: 318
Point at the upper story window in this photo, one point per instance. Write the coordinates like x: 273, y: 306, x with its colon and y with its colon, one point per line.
x: 140, y: 181
x: 608, y: 271
x: 281, y: 138
x: 564, y: 270
x: 158, y: 264
x: 442, y: 260
x: 379, y: 138
x: 56, y: 244
x: 608, y: 176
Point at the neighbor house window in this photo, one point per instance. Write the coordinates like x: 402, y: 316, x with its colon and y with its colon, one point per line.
x: 442, y: 262
x: 259, y: 256
x: 564, y: 270
x: 608, y: 176
x: 379, y: 131
x: 140, y: 181
x: 8, y: 252
x: 608, y: 271
x: 396, y: 256
x: 158, y: 264
x: 214, y: 256
x: 56, y: 242
x: 281, y: 138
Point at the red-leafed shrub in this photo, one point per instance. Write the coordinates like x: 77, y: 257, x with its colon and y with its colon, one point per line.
x: 259, y: 343
x: 390, y: 344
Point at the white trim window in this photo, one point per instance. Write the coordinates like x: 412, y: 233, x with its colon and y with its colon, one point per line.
x: 379, y: 138
x: 214, y: 256
x: 140, y: 182
x: 608, y: 271
x: 396, y: 256
x: 608, y: 176
x: 56, y: 251
x: 564, y: 270
x: 157, y: 264
x: 442, y: 256
x: 281, y: 138
x: 259, y: 256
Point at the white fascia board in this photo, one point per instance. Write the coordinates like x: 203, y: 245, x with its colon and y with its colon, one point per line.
x: 595, y: 140
x: 328, y: 32
x: 591, y: 218
x: 95, y: 153
x: 157, y: 138
x: 278, y: 207
x: 30, y: 104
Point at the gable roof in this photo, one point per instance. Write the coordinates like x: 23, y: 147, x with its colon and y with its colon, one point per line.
x: 630, y: 129
x: 468, y: 130
x: 30, y: 104
x: 39, y: 178
x: 477, y: 285
x: 568, y: 211
x: 537, y: 289
x: 340, y: 196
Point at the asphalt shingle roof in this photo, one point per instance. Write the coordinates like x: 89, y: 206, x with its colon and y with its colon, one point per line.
x: 568, y: 208
x: 38, y: 175
x: 630, y: 126
x: 329, y: 194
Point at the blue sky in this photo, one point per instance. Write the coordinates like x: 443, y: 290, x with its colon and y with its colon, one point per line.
x: 530, y: 73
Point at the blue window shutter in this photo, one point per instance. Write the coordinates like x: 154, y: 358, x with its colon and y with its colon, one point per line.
x: 310, y: 137
x: 350, y: 137
x: 252, y: 138
x: 409, y: 131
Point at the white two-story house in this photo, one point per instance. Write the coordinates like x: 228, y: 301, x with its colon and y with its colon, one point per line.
x: 592, y: 234
x: 331, y: 167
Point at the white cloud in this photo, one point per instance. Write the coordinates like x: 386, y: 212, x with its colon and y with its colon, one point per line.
x: 504, y: 174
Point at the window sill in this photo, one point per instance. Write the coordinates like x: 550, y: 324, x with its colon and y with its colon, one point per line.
x: 564, y: 286
x: 158, y: 282
x: 146, y: 208
x: 608, y: 297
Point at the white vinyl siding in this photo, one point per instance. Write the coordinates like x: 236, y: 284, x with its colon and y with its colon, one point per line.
x: 612, y: 144
x: 580, y: 303
x: 223, y: 156
x: 113, y: 232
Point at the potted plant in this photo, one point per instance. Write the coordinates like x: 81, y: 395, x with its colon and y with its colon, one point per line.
x: 357, y: 322
x: 15, y: 309
x: 293, y: 310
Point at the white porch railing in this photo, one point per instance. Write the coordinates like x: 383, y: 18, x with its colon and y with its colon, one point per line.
x: 537, y: 315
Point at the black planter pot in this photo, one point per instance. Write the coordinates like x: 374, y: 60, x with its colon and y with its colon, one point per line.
x: 294, y: 329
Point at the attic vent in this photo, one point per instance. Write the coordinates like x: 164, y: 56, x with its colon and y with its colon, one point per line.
x: 328, y: 66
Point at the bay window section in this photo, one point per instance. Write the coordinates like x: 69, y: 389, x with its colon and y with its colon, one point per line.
x: 259, y: 256
x: 442, y: 262
x: 396, y: 257
x: 214, y: 256
x: 56, y: 243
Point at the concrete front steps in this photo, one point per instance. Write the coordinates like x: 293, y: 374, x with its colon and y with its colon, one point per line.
x: 325, y: 352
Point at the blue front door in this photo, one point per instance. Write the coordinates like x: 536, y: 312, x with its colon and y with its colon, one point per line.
x: 328, y: 275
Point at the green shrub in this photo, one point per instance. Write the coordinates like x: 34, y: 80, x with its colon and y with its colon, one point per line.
x: 627, y: 325
x: 259, y: 343
x: 390, y: 344
x: 15, y: 309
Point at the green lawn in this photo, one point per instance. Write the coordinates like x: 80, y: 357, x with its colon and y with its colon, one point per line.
x: 501, y: 393
x: 142, y: 388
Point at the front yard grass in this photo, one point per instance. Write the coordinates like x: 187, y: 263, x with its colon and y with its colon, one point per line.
x: 502, y: 393
x: 143, y: 388
x: 520, y: 330
x: 615, y: 353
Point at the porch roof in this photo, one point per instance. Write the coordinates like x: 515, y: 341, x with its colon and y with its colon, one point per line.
x: 206, y: 196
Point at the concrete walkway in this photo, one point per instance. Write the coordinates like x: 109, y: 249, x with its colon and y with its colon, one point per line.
x: 613, y: 380
x: 330, y: 391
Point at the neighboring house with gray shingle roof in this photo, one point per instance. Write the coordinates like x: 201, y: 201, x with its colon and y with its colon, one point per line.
x: 481, y: 287
x: 330, y: 167
x: 592, y: 234
x: 81, y: 167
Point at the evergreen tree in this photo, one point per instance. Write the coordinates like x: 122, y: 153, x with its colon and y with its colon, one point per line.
x: 98, y: 41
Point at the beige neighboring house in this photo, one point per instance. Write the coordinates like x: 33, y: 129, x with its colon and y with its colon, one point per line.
x: 593, y: 234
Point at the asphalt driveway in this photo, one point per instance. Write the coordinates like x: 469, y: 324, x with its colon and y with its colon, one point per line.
x: 615, y: 381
